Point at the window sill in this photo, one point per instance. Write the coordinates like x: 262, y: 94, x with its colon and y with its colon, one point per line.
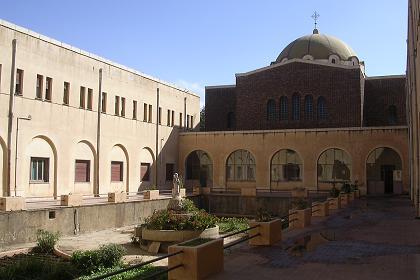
x: 287, y: 181
x: 83, y: 183
x: 46, y: 100
x: 117, y: 181
x: 38, y: 182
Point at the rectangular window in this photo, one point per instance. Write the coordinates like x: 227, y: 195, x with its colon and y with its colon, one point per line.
x: 48, y: 88
x: 103, y: 102
x: 122, y: 106
x: 90, y: 99
x: 144, y: 172
x: 168, y: 118
x: 117, y: 105
x: 66, y: 93
x: 0, y: 77
x: 160, y: 115
x: 39, y: 86
x: 82, y: 97
x: 82, y: 171
x: 134, y: 110
x: 172, y: 118
x: 192, y: 122
x: 169, y: 171
x: 19, y: 82
x: 117, y: 171
x: 180, y: 119
x: 150, y: 113
x: 145, y: 112
x: 188, y: 121
x: 39, y: 169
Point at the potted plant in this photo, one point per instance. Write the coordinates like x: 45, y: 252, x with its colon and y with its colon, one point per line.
x: 269, y: 229
x: 151, y: 193
x: 345, y: 194
x: 300, y: 213
x: 201, y: 257
x: 334, y: 201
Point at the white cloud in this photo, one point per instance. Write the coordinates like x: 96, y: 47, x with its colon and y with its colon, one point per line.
x: 193, y: 87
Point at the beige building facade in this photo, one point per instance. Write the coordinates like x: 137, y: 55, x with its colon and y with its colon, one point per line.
x: 72, y: 122
x: 413, y: 98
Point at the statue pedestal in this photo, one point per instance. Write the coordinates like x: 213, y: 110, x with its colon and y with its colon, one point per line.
x: 175, y: 204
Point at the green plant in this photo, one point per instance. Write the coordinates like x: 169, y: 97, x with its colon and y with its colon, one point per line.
x: 106, y: 256
x: 334, y: 192
x: 151, y: 188
x: 137, y: 273
x: 231, y: 224
x: 300, y: 203
x: 263, y: 215
x: 188, y: 206
x: 37, y: 268
x: 45, y: 241
x: 346, y: 188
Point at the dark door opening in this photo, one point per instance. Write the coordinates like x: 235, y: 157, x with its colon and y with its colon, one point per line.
x: 387, y: 174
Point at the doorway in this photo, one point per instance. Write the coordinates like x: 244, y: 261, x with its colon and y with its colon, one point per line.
x: 387, y: 174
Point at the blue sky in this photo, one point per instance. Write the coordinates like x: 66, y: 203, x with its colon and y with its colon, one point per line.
x: 197, y: 43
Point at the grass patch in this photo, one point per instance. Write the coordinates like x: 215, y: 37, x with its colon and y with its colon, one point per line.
x: 136, y: 273
x: 232, y: 224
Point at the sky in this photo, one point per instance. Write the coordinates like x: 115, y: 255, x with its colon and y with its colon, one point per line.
x: 199, y: 43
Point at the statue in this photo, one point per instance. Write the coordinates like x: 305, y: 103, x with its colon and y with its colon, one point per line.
x: 175, y: 202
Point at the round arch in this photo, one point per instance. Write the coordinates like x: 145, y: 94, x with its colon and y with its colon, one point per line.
x: 147, y: 167
x: 199, y: 169
x: 84, y: 168
x: 3, y: 167
x: 241, y: 166
x: 334, y: 165
x: 384, y: 171
x: 119, y: 168
x: 286, y: 165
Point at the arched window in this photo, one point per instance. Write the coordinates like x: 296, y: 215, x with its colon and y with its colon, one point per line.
x: 296, y: 107
x: 199, y: 167
x: 271, y: 110
x: 322, y: 109
x: 284, y: 113
x: 309, y: 108
x: 286, y: 166
x: 231, y: 120
x: 392, y: 115
x: 240, y: 166
x: 334, y: 165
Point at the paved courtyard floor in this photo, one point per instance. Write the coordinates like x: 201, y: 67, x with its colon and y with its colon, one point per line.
x: 375, y: 238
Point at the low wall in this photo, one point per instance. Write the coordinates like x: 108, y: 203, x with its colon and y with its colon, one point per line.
x: 21, y: 226
x: 237, y: 205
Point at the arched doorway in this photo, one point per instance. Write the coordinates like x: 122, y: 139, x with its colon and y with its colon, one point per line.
x: 119, y: 169
x: 334, y: 167
x: 384, y: 171
x: 199, y: 169
x: 147, y: 168
x: 83, y: 168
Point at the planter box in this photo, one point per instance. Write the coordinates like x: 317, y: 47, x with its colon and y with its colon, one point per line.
x: 320, y: 209
x: 178, y: 235
x: 344, y: 199
x: 138, y: 231
x: 198, y: 262
x: 12, y: 203
x: 270, y: 233
x: 351, y: 196
x: 334, y: 203
x: 300, y: 193
x: 300, y: 218
x: 117, y: 197
x: 356, y: 193
x: 71, y: 200
x: 153, y: 194
x: 248, y: 192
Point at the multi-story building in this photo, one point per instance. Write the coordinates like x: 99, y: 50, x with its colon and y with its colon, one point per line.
x: 72, y: 122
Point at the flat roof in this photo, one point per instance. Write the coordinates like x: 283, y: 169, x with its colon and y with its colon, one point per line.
x: 57, y: 43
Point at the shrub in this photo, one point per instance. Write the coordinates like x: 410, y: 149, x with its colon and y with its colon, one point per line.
x: 232, y: 224
x: 263, y: 215
x: 45, y: 241
x: 37, y: 268
x: 137, y: 273
x: 346, y: 188
x: 300, y: 204
x: 334, y: 192
x: 188, y: 206
x: 106, y: 256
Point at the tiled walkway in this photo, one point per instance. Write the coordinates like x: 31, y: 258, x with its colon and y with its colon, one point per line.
x: 375, y: 238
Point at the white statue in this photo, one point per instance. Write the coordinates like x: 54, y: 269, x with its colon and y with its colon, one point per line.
x: 175, y: 202
x: 176, y: 183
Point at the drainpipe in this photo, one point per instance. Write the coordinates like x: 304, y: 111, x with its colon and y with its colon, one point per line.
x: 157, y: 139
x: 10, y: 116
x: 98, y: 135
x: 185, y: 113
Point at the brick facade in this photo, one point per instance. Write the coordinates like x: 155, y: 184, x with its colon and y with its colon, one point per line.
x: 342, y: 88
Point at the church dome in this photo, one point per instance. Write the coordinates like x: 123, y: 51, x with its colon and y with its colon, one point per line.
x: 317, y: 47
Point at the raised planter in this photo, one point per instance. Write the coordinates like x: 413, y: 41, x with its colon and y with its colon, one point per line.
x: 12, y: 203
x: 344, y: 199
x: 71, y: 199
x: 178, y: 235
x: 334, y: 203
x: 198, y: 262
x: 138, y: 229
x: 270, y: 232
x: 248, y: 192
x: 300, y: 192
x: 117, y: 197
x: 320, y: 209
x: 356, y: 193
x: 300, y: 218
x: 151, y: 194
